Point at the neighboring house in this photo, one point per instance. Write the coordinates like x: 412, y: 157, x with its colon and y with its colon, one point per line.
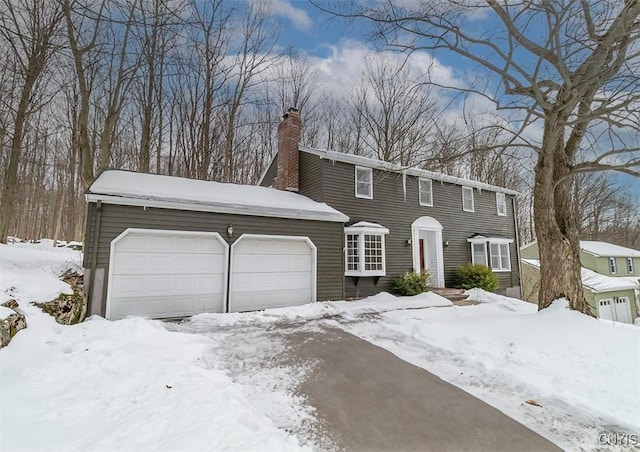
x: 333, y: 226
x: 610, y: 277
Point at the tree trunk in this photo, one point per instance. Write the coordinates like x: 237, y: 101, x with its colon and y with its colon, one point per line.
x: 556, y: 226
x: 10, y: 178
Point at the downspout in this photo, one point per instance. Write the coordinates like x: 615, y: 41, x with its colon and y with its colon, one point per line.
x: 94, y: 256
x: 515, y: 223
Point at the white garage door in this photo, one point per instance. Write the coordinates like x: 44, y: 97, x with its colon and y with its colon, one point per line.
x: 622, y: 309
x: 271, y: 272
x: 162, y: 274
x: 604, y: 309
x: 618, y: 309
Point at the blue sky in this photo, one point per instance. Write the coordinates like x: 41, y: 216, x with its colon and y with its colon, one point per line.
x: 338, y: 47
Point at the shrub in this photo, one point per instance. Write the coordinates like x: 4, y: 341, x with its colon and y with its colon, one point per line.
x: 411, y: 283
x: 476, y: 275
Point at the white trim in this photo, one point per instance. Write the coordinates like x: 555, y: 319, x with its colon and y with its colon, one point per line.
x: 360, y: 232
x: 431, y: 225
x: 487, y: 242
x: 355, y: 185
x: 314, y: 257
x: 256, y: 211
x: 502, y: 203
x: 430, y: 202
x: 499, y: 270
x: 386, y: 166
x: 128, y: 231
x: 613, y: 269
x: 482, y: 239
x: 631, y: 269
x: 468, y: 190
x: 473, y: 255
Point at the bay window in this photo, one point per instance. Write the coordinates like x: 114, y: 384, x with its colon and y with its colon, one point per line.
x: 365, y: 250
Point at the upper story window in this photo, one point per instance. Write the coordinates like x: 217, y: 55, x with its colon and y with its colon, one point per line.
x: 501, y: 204
x: 613, y: 268
x: 364, y: 183
x: 467, y: 199
x: 426, y: 192
x: 630, y: 265
x: 365, y: 249
x: 491, y: 251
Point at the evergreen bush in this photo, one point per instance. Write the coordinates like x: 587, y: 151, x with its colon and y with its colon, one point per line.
x: 411, y: 283
x: 471, y: 275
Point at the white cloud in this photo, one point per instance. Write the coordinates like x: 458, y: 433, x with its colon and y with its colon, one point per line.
x: 297, y: 16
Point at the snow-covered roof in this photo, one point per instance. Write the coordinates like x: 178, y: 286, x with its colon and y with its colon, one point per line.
x: 418, y: 172
x: 597, y: 282
x: 607, y: 249
x: 152, y: 190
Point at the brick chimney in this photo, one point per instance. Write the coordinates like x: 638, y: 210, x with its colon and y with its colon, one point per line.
x: 289, y: 129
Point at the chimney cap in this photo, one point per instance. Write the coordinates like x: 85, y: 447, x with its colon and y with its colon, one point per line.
x: 293, y: 111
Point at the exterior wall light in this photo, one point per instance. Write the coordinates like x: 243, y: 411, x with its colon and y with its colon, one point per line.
x: 446, y: 243
x: 230, y: 230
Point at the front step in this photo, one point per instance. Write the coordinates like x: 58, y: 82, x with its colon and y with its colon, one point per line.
x: 450, y: 294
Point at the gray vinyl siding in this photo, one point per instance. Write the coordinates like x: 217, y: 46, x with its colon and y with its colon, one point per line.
x: 310, y: 168
x: 390, y: 209
x: 269, y: 177
x: 327, y: 236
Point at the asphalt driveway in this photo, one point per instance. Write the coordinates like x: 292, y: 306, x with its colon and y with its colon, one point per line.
x: 367, y: 399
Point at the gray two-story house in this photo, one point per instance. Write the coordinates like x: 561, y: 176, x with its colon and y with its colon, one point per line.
x: 322, y: 225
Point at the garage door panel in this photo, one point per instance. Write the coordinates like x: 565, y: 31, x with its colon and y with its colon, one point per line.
x: 269, y: 273
x: 271, y: 247
x: 267, y: 263
x: 164, y: 274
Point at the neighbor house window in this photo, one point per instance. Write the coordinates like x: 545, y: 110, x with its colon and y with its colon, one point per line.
x: 426, y: 192
x: 492, y: 252
x: 467, y: 199
x: 501, y: 204
x: 612, y: 265
x: 364, y: 183
x: 365, y: 250
x: 629, y: 265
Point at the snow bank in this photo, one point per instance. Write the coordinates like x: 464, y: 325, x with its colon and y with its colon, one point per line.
x: 126, y: 385
x: 382, y: 302
x: 29, y: 272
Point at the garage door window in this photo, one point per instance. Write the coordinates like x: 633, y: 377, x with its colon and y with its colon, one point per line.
x: 365, y: 250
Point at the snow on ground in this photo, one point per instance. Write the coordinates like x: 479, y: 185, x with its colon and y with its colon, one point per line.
x: 585, y: 373
x: 222, y: 381
x: 125, y: 385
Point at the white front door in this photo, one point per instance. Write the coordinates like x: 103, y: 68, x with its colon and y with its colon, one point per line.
x: 426, y: 237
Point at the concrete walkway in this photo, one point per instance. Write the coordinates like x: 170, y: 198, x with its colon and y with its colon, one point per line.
x: 369, y: 400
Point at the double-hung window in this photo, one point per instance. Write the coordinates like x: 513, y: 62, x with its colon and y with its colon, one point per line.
x: 630, y: 265
x: 501, y: 204
x: 364, y: 183
x: 365, y: 250
x: 426, y: 192
x: 613, y: 268
x: 467, y: 199
x: 491, y: 251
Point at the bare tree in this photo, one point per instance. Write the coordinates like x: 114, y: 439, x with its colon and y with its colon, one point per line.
x: 257, y: 37
x: 569, y: 68
x: 396, y: 109
x: 28, y: 30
